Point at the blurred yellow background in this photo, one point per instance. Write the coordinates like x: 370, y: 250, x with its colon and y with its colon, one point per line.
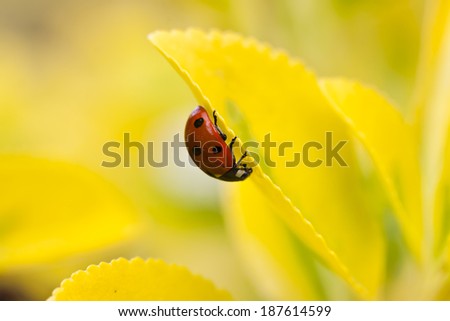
x: 77, y: 74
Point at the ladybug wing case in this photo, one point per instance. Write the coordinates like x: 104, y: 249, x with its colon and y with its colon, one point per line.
x: 205, y: 145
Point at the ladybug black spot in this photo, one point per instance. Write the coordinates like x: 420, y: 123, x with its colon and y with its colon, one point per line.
x: 216, y: 149
x: 197, y: 151
x: 198, y: 122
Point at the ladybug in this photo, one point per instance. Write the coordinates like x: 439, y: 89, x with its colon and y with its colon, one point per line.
x: 206, y: 144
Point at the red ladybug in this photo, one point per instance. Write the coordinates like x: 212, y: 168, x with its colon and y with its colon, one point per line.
x: 207, y: 146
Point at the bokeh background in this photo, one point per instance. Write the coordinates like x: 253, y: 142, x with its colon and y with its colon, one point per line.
x: 77, y: 74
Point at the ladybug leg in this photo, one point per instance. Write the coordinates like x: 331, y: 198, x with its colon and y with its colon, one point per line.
x: 240, y: 159
x: 224, y: 137
x: 232, y: 143
x: 215, y: 117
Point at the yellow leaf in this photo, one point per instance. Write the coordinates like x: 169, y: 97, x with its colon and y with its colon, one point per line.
x: 260, y: 92
x: 281, y: 269
x: 391, y: 143
x: 442, y: 206
x: 136, y: 280
x: 50, y: 210
x: 432, y: 103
